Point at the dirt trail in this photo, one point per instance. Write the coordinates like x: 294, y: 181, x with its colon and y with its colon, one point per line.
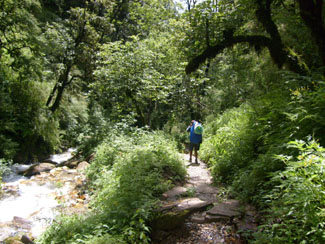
x: 215, y: 222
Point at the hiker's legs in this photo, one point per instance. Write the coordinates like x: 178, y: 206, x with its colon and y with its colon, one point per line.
x: 195, y: 154
x: 191, y: 150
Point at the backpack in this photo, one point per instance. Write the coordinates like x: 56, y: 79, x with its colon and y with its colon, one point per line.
x: 198, y: 128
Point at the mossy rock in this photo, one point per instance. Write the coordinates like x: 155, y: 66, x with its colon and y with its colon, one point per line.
x: 170, y: 220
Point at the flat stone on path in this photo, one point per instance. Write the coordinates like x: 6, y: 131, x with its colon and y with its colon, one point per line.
x: 192, y: 204
x: 206, y: 188
x: 229, y: 208
x: 174, y: 192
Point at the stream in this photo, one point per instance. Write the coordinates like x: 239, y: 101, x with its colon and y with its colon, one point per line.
x: 29, y: 205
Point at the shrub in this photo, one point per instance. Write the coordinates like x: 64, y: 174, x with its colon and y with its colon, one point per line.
x: 229, y: 143
x: 297, y: 213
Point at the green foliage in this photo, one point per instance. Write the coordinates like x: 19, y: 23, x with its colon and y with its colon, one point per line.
x: 297, y: 203
x: 176, y: 128
x: 108, y: 152
x: 129, y: 177
x: 138, y: 77
x: 240, y: 144
x: 228, y: 145
x: 238, y: 76
x: 19, y: 35
x: 78, y: 229
x: 26, y: 127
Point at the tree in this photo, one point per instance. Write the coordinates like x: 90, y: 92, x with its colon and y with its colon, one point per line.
x: 238, y: 31
x: 74, y: 43
x: 25, y: 129
x: 313, y: 15
x: 138, y: 77
x: 19, y: 37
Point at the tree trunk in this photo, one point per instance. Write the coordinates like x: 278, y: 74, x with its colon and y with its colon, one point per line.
x: 59, y: 87
x: 311, y: 12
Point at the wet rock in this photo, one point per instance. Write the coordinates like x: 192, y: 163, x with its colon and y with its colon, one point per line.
x: 200, y: 219
x: 12, y: 240
x: 71, y: 164
x: 248, y: 223
x: 36, y: 169
x: 206, y: 189
x: 191, y: 204
x: 26, y: 240
x: 22, y: 223
x: 216, y: 218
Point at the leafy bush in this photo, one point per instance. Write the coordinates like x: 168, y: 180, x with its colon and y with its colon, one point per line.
x: 130, y: 174
x: 229, y: 143
x: 264, y: 130
x: 297, y: 213
x: 107, y: 154
x: 177, y: 131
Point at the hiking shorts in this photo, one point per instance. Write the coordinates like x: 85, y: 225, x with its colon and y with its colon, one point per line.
x: 196, y: 146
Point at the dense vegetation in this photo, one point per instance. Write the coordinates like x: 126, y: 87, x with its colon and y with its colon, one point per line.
x: 127, y: 177
x: 91, y: 73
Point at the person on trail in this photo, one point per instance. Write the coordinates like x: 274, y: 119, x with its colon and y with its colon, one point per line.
x: 195, y: 128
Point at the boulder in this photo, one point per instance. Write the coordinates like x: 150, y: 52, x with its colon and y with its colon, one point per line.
x: 82, y: 165
x: 22, y: 223
x: 36, y: 169
x: 26, y: 240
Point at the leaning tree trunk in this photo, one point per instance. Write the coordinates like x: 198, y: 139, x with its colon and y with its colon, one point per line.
x: 59, y: 87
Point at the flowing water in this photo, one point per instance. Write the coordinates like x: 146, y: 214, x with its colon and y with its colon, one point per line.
x: 30, y: 204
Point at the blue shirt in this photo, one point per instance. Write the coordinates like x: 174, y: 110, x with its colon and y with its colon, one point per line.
x: 194, y: 138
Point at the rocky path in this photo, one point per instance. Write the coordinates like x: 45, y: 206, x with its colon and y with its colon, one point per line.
x: 196, y: 214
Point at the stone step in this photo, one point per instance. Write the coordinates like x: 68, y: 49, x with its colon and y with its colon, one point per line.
x: 173, y: 214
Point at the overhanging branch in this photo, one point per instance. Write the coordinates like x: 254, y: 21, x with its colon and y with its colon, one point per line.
x: 211, y: 52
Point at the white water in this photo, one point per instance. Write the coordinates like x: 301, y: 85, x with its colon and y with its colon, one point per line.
x: 34, y: 204
x: 31, y: 200
x: 59, y: 158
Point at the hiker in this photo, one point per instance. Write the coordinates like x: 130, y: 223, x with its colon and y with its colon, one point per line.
x: 195, y: 128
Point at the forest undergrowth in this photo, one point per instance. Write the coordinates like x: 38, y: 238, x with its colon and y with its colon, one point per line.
x: 273, y: 156
x: 126, y: 180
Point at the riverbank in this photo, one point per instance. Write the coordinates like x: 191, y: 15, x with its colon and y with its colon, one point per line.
x: 30, y: 204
